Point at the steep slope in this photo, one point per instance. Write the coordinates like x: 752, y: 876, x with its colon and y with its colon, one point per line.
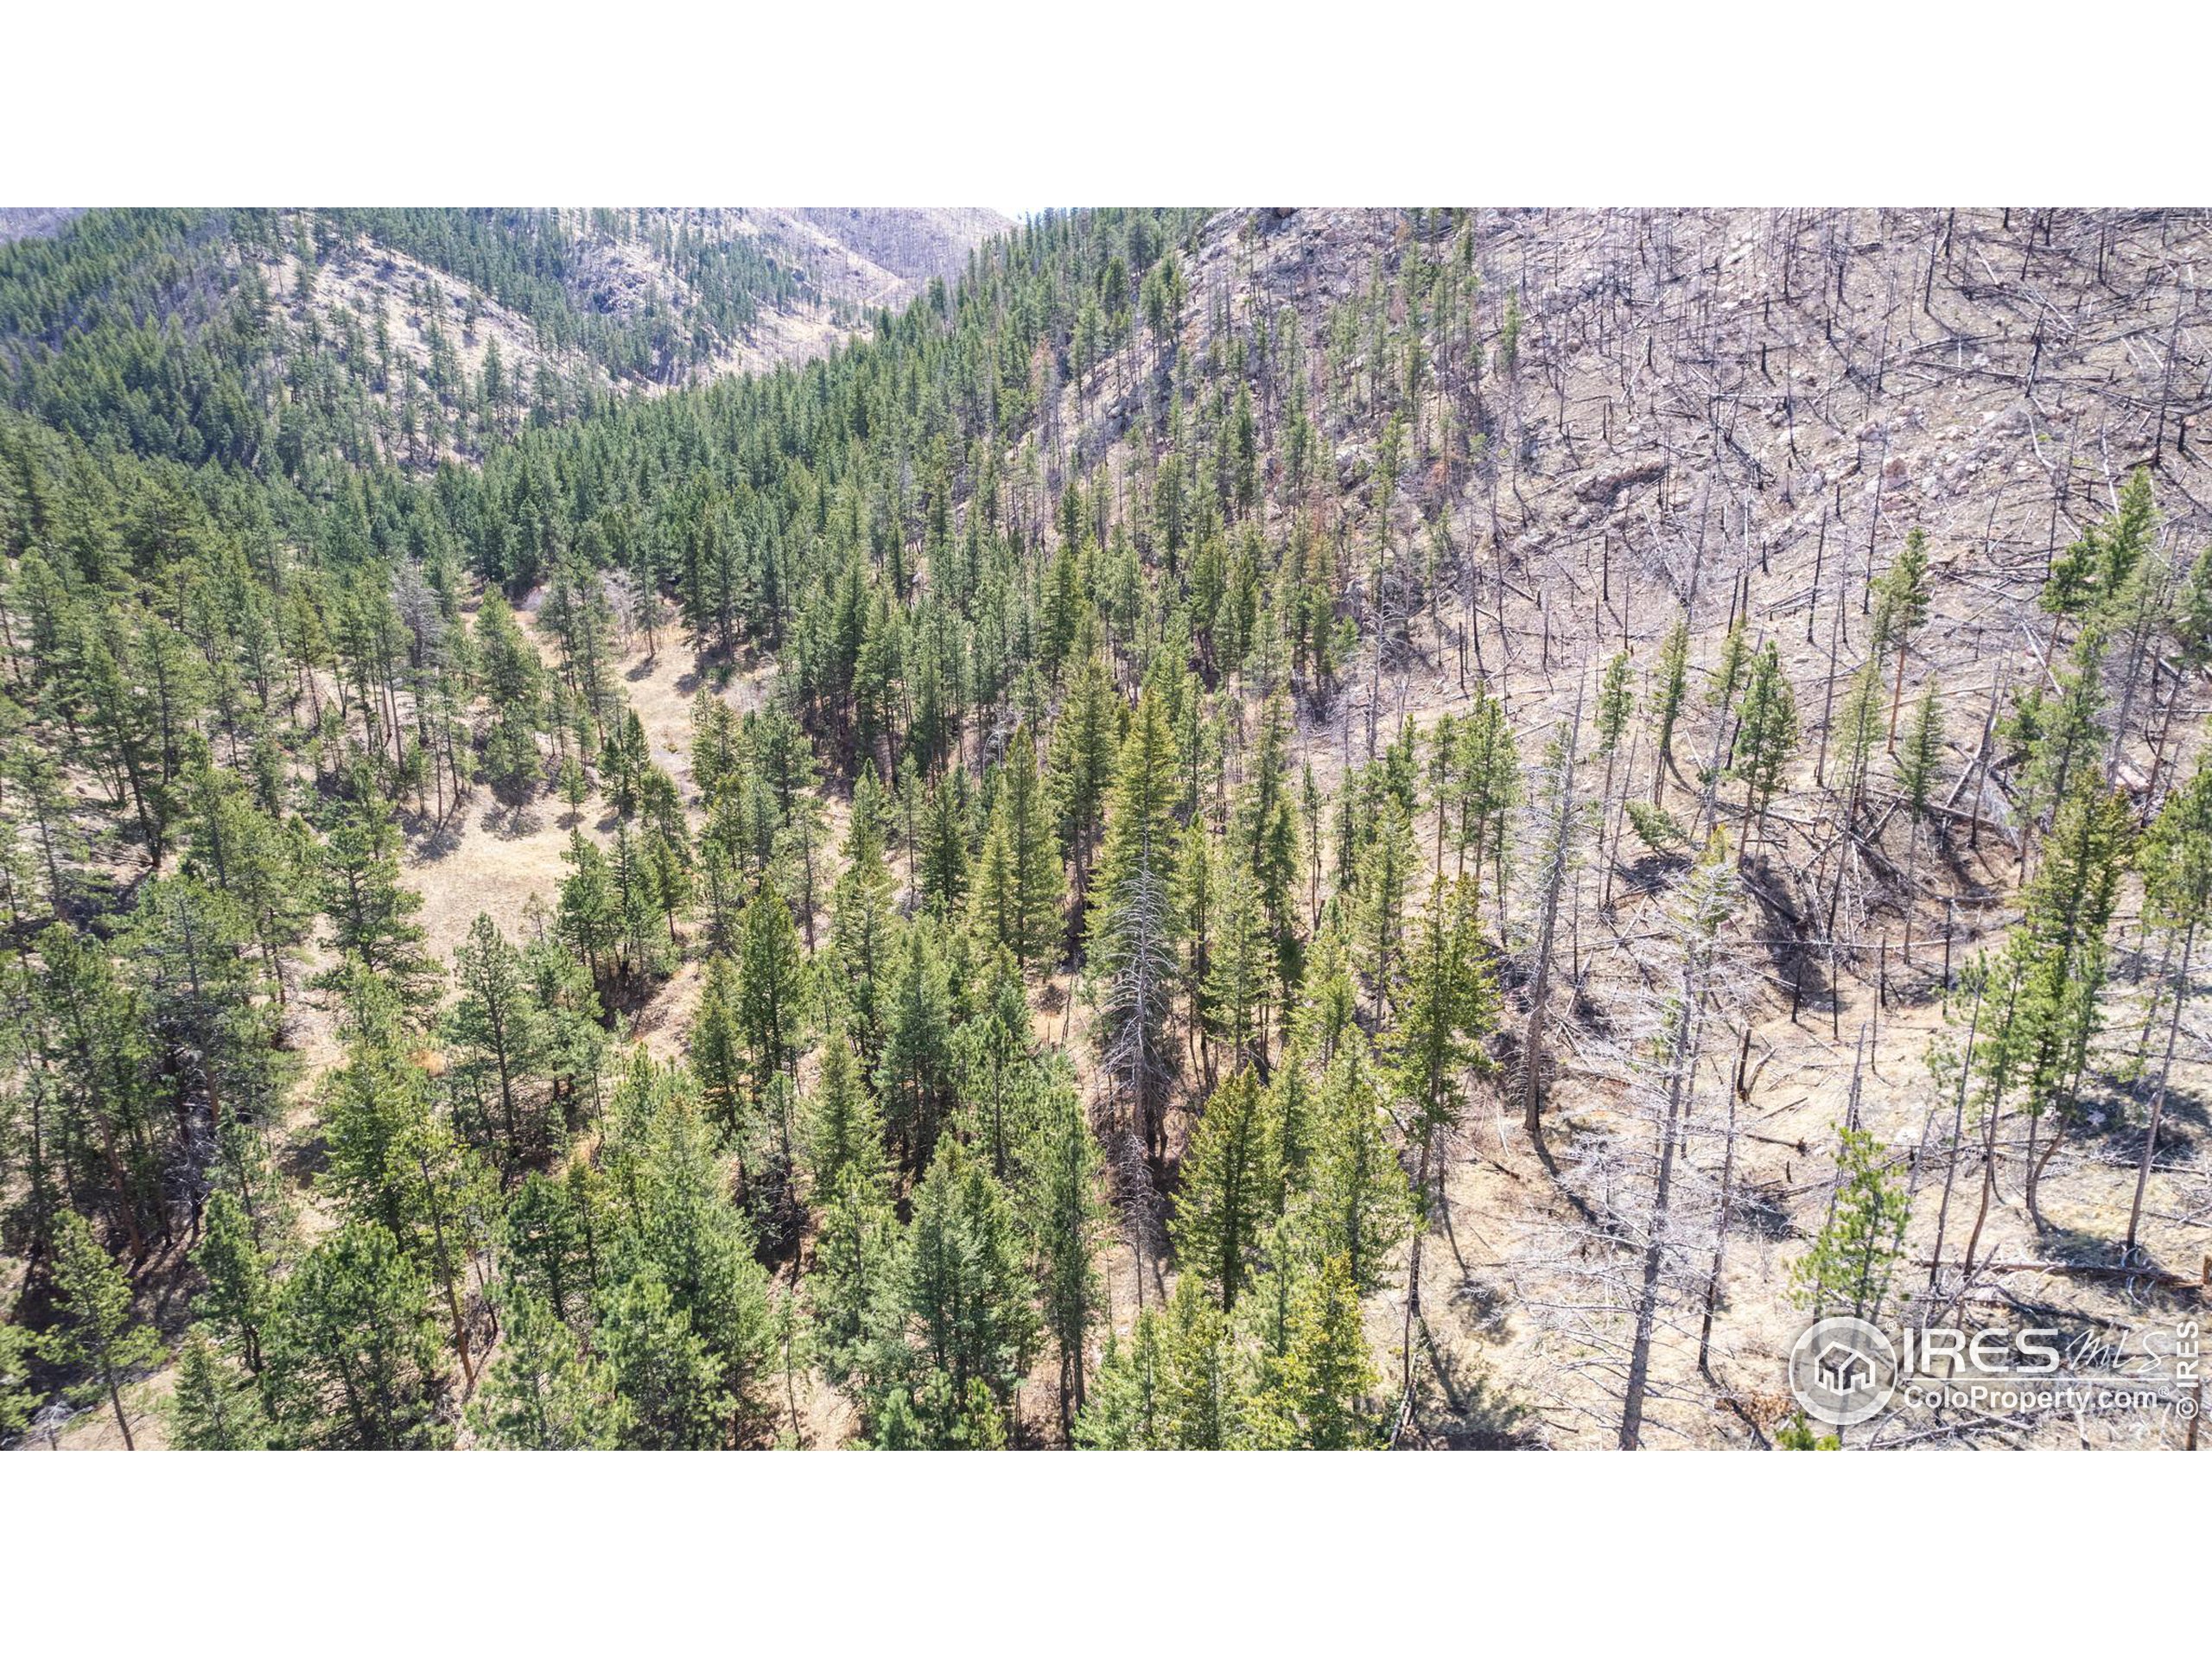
x: 1730, y: 418
x: 1566, y: 552
x: 372, y: 330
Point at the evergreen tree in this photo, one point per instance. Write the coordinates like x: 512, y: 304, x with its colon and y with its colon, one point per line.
x: 498, y: 1038
x: 1133, y: 965
x: 1378, y: 909
x: 236, y: 1304
x: 1067, y: 1221
x: 844, y: 1129
x: 914, y: 1076
x: 1900, y: 608
x: 1123, y: 1412
x: 666, y: 1379
x: 1230, y: 1186
x: 968, y: 1318
x: 1667, y: 702
x: 1356, y: 1203
x: 368, y: 910
x: 17, y: 1400
x: 354, y: 1351
x: 1019, y: 886
x: 97, y: 1334
x: 1850, y: 1262
x: 214, y: 1406
x: 1766, y: 734
x: 1313, y: 1394
x: 770, y: 982
x: 540, y: 1393
x: 717, y: 1053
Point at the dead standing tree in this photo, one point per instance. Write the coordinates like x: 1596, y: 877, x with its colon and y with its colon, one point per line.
x: 1702, y: 908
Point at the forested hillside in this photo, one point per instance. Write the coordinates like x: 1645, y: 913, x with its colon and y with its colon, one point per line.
x: 1272, y: 827
x: 420, y: 335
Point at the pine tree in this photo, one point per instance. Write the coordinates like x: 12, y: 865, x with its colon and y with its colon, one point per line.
x: 844, y: 1129
x: 1917, y: 779
x: 1449, y: 1006
x: 1355, y: 1202
x: 1900, y: 608
x: 549, y: 1233
x: 1132, y: 966
x: 1314, y: 1397
x: 854, y: 1289
x: 1231, y: 1182
x: 1197, y: 1401
x: 1489, y: 787
x: 2057, y: 959
x: 1067, y: 1221
x: 1666, y: 704
x: 944, y: 871
x: 1236, y: 992
x: 590, y: 918
x: 497, y: 1039
x: 97, y: 1333
x: 512, y: 679
x: 1766, y: 734
x: 913, y: 1077
x: 861, y: 920
x: 1856, y: 724
x: 17, y: 1400
x: 1123, y: 1413
x: 354, y: 1352
x: 1386, y: 875
x: 966, y: 1294
x: 369, y: 911
x: 771, y: 988
x: 1850, y: 1261
x: 236, y: 1304
x: 540, y: 1393
x: 1616, y: 703
x: 1019, y: 886
x: 667, y: 1381
x: 717, y: 1053
x: 684, y: 1274
x: 213, y: 1407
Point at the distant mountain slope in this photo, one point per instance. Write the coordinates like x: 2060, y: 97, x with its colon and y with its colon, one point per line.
x: 422, y: 334
x: 18, y: 222
x: 912, y: 244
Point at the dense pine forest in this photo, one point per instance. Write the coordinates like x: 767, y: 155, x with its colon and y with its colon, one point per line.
x: 1255, y: 828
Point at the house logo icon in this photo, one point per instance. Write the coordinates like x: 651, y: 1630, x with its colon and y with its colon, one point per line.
x: 1842, y: 1371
